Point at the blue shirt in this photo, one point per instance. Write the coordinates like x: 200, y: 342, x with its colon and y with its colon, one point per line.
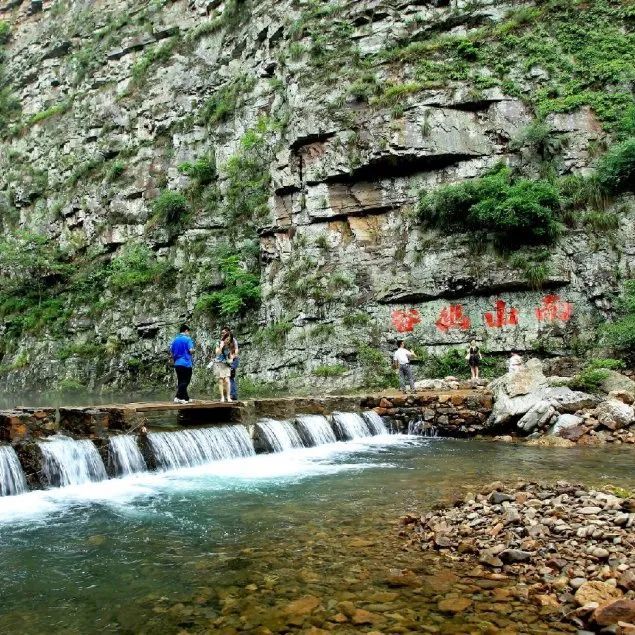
x: 180, y: 348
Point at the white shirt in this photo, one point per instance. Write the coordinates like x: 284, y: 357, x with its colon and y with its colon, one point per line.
x: 402, y: 355
x: 515, y: 362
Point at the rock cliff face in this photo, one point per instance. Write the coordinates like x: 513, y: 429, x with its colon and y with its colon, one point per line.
x: 260, y: 163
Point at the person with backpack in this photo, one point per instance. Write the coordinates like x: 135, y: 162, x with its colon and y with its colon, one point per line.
x: 181, y: 349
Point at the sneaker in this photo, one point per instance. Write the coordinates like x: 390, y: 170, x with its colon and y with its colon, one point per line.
x: 177, y: 400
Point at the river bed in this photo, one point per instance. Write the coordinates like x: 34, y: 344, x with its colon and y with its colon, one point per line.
x: 289, y: 542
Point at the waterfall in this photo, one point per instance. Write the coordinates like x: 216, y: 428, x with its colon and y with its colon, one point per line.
x: 188, y: 448
x: 315, y: 430
x: 12, y: 480
x: 70, y: 462
x: 124, y: 456
x: 279, y: 435
x: 375, y: 423
x: 350, y: 425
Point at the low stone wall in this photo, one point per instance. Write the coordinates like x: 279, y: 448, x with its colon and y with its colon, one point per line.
x: 457, y: 413
x: 25, y: 424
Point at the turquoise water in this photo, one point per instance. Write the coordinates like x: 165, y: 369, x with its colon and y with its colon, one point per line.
x: 225, y: 547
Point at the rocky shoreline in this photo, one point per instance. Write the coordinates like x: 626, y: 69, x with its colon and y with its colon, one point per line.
x: 570, y: 549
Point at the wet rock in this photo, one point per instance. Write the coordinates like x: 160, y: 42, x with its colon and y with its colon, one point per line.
x: 454, y: 605
x: 361, y: 617
x: 552, y: 442
x: 598, y: 592
x: 403, y: 578
x: 627, y: 580
x: 515, y: 555
x: 622, y: 610
x: 623, y: 395
x: 539, y: 415
x: 615, y: 382
x: 614, y: 414
x: 302, y: 606
x: 566, y: 422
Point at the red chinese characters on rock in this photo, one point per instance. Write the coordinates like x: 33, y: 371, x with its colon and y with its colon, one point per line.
x: 553, y: 309
x: 502, y: 316
x: 405, y: 321
x: 452, y: 317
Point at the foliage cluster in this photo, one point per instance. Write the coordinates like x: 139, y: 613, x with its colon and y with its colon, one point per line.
x: 137, y: 266
x: 377, y: 369
x: 274, y: 334
x: 453, y: 363
x: 621, y: 333
x: 513, y: 210
x: 40, y: 285
x: 9, y: 103
x: 202, y: 171
x: 171, y: 209
x: 329, y: 370
x: 594, y: 374
x: 222, y: 105
x: 240, y: 290
x: 582, y: 47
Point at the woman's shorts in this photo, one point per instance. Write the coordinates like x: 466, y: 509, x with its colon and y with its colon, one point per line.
x: 221, y: 370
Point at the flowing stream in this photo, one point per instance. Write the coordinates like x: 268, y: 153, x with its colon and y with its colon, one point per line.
x: 12, y: 480
x: 233, y: 545
x: 315, y: 430
x: 279, y: 435
x: 125, y: 456
x: 189, y: 448
x: 375, y: 422
x: 71, y: 462
x: 350, y: 425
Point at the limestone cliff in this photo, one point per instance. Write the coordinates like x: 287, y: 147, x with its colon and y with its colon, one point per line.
x: 262, y: 163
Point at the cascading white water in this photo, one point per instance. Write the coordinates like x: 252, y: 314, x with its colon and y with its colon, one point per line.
x: 350, y: 425
x: 188, y: 448
x: 315, y: 430
x: 12, y: 480
x: 279, y: 435
x: 375, y: 423
x: 124, y: 455
x: 71, y: 462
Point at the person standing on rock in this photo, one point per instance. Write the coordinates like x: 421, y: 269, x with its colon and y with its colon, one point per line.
x: 515, y: 362
x: 401, y: 361
x: 181, y: 349
x: 473, y: 358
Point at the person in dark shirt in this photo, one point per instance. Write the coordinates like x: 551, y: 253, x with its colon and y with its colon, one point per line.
x: 181, y: 349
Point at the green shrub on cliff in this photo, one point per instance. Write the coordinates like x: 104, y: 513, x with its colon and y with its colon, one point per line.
x: 240, y: 291
x: 616, y: 169
x: 136, y: 266
x: 621, y: 334
x: 171, y: 209
x: 514, y: 210
x: 202, y: 171
x: 5, y: 31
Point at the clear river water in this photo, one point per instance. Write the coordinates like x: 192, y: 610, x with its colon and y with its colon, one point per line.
x: 274, y: 543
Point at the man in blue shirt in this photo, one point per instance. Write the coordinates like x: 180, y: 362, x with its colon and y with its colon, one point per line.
x: 182, y: 348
